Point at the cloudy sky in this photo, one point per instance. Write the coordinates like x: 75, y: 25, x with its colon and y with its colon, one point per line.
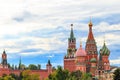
x: 37, y: 30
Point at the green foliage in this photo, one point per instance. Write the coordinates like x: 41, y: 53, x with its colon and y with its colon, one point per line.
x: 76, y: 75
x: 39, y: 67
x: 86, y: 76
x: 32, y: 67
x: 26, y: 75
x: 9, y: 65
x: 4, y: 75
x: 61, y: 74
x: 117, y: 74
x: 16, y: 77
x: 7, y: 78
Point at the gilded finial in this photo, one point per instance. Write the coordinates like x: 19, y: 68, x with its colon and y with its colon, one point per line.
x: 90, y: 23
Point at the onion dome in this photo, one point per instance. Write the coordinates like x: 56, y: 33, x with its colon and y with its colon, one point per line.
x: 93, y: 60
x: 104, y: 50
x: 80, y: 52
x: 90, y: 23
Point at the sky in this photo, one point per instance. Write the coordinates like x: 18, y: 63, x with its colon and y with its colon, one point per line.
x: 38, y: 30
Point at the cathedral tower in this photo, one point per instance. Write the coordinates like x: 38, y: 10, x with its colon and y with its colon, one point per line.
x: 105, y: 52
x: 80, y: 57
x: 90, y: 47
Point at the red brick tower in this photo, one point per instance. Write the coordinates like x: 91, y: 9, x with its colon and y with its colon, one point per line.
x: 81, y: 59
x: 105, y: 52
x: 49, y: 67
x: 91, y: 47
x: 69, y: 59
x: 4, y: 60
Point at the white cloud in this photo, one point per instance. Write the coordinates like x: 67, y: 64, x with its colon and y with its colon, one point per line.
x: 115, y: 61
x: 45, y: 14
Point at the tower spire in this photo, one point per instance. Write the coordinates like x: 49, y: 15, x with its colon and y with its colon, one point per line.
x: 4, y: 51
x: 90, y: 23
x: 71, y: 33
x: 19, y: 63
x: 90, y: 35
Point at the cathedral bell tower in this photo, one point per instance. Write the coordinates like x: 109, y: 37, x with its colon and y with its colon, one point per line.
x: 90, y: 47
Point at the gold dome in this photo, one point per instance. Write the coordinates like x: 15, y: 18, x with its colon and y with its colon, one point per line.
x: 90, y: 23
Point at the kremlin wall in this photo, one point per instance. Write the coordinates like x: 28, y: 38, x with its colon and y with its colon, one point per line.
x: 4, y: 69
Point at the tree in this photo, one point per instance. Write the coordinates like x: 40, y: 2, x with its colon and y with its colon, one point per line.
x: 8, y: 78
x: 9, y: 65
x: 26, y: 75
x: 86, y: 76
x: 16, y: 77
x: 32, y: 67
x: 76, y: 75
x: 16, y: 67
x: 116, y: 74
x: 59, y: 74
x: 13, y: 67
x: 39, y: 67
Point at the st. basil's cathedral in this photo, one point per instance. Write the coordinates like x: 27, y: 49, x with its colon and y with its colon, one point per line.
x: 87, y: 60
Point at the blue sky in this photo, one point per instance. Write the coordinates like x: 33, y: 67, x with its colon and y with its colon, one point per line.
x: 37, y: 30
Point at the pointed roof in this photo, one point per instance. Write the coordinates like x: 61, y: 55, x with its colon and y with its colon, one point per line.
x: 104, y: 50
x: 4, y: 52
x: 20, y: 63
x: 72, y: 33
x: 48, y: 64
x: 90, y: 35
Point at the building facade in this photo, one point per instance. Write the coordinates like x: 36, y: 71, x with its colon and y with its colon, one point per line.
x: 87, y: 60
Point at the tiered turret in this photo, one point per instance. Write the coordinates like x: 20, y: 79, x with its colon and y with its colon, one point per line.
x: 69, y: 59
x: 71, y: 44
x: 91, y: 47
x: 105, y: 52
x: 4, y: 60
x: 49, y: 67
